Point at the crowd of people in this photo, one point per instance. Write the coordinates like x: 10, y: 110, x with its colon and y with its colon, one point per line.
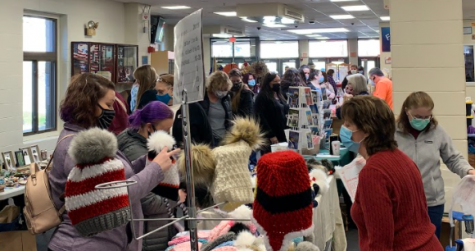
x: 400, y: 198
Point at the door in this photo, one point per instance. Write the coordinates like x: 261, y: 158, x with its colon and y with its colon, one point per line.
x: 368, y: 64
x: 278, y: 65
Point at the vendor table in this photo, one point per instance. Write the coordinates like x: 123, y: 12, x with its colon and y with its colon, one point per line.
x: 11, y: 192
x: 328, y: 221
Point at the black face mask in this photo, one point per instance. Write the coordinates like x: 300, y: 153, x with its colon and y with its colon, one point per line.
x: 105, y: 120
x: 236, y: 86
x: 276, y: 88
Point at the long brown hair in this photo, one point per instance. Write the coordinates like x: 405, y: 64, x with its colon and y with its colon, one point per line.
x: 237, y: 96
x: 415, y: 100
x: 372, y: 116
x: 82, y: 97
x: 146, y: 77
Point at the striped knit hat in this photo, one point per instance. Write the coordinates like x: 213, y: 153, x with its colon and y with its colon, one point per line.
x: 282, y: 209
x: 168, y: 188
x: 92, y: 210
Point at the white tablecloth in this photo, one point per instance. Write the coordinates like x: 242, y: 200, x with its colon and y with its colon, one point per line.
x: 328, y: 221
x: 11, y: 192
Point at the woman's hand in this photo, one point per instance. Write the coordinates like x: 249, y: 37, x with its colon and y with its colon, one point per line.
x: 274, y: 140
x: 181, y: 195
x: 164, y: 158
x: 471, y: 172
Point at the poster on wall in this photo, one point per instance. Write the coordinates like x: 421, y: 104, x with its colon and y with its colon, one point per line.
x: 386, y: 39
x: 189, y: 66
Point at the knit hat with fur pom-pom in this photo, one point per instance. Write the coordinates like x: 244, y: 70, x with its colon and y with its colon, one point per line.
x: 168, y: 188
x: 93, y: 210
x: 282, y: 209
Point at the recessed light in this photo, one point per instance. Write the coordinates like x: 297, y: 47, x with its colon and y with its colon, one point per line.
x: 275, y: 25
x: 385, y: 18
x: 227, y: 13
x: 311, y: 31
x: 335, y: 1
x: 245, y: 19
x: 336, y: 17
x: 323, y: 38
x: 221, y: 35
x: 285, y: 20
x: 355, y: 8
x: 178, y: 7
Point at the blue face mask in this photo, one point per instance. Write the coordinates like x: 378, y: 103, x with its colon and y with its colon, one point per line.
x: 321, y: 79
x: 345, y: 136
x: 165, y: 98
x: 372, y: 82
x: 251, y: 83
x: 361, y: 72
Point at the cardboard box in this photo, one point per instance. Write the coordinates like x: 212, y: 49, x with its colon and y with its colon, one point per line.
x: 17, y: 241
x: 445, y: 232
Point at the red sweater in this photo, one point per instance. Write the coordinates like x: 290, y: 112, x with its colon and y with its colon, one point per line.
x: 390, y: 207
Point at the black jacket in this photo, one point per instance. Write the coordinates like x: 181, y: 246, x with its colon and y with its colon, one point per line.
x: 271, y: 119
x: 201, y: 132
x: 246, y: 104
x: 147, y: 97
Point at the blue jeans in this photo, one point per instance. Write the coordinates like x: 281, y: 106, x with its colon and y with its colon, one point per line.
x: 435, y: 214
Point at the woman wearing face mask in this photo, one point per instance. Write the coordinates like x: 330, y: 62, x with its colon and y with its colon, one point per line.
x: 425, y: 142
x: 249, y: 80
x: 156, y: 116
x: 353, y: 70
x: 356, y: 86
x: 241, y: 102
x: 89, y: 103
x: 325, y: 84
x: 390, y: 210
x: 163, y: 92
x: 304, y: 72
x: 271, y: 110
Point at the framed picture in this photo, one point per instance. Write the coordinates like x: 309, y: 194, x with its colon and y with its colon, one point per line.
x: 9, y: 160
x: 27, y: 155
x: 20, y: 159
x: 35, y: 153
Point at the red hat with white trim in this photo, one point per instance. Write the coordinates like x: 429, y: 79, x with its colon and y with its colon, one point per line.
x: 92, y: 210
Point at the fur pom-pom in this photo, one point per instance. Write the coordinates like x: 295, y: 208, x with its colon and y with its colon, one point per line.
x: 318, y: 177
x: 242, y: 212
x: 203, y: 164
x: 246, y: 129
x: 92, y: 146
x: 159, y: 140
x: 244, y: 239
x: 306, y: 246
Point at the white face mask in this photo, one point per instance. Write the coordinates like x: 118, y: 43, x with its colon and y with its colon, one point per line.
x: 220, y: 94
x: 354, y: 71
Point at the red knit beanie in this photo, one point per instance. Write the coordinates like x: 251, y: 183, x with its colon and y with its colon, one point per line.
x: 283, y: 206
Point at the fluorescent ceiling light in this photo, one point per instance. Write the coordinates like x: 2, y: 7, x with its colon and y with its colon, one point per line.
x: 227, y: 13
x: 275, y: 25
x: 285, y: 20
x: 342, y: 17
x: 323, y: 30
x: 355, y: 8
x: 337, y: 62
x: 385, y: 18
x: 178, y: 7
x: 343, y: 1
x: 322, y: 38
x: 314, y: 35
x: 245, y: 19
x: 221, y: 35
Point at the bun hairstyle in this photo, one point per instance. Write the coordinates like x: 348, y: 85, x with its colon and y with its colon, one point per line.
x: 151, y: 113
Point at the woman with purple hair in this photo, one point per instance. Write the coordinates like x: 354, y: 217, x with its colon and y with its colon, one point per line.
x: 155, y: 116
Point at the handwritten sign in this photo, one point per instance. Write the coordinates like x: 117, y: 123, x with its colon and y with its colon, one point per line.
x: 189, y: 66
x: 349, y: 176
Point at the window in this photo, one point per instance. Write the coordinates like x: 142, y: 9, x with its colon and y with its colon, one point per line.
x: 368, y: 48
x: 328, y: 49
x: 285, y: 49
x: 469, y: 63
x: 224, y: 49
x: 39, y: 74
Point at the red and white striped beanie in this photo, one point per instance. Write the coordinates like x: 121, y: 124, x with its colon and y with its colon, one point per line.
x: 168, y: 188
x: 92, y: 210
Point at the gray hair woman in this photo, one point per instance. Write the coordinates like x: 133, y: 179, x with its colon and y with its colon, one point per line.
x: 357, y: 85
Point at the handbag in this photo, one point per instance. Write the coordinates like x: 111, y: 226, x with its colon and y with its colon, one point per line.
x: 40, y: 212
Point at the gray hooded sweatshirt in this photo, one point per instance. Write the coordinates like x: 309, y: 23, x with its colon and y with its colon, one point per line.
x: 427, y: 151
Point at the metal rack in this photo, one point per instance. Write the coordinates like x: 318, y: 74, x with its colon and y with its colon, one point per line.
x: 191, y: 217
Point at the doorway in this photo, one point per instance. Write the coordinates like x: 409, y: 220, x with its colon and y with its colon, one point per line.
x: 368, y: 64
x: 278, y: 65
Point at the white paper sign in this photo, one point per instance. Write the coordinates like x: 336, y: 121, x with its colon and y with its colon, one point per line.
x: 349, y: 176
x: 189, y: 67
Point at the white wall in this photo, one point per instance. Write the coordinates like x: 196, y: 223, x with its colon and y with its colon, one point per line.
x: 73, y: 15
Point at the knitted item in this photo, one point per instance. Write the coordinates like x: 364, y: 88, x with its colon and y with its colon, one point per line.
x: 226, y: 244
x: 168, y: 188
x: 306, y: 246
x: 220, y: 229
x: 225, y: 248
x: 185, y: 246
x: 283, y: 206
x: 92, y: 210
x: 232, y: 181
x: 218, y: 241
